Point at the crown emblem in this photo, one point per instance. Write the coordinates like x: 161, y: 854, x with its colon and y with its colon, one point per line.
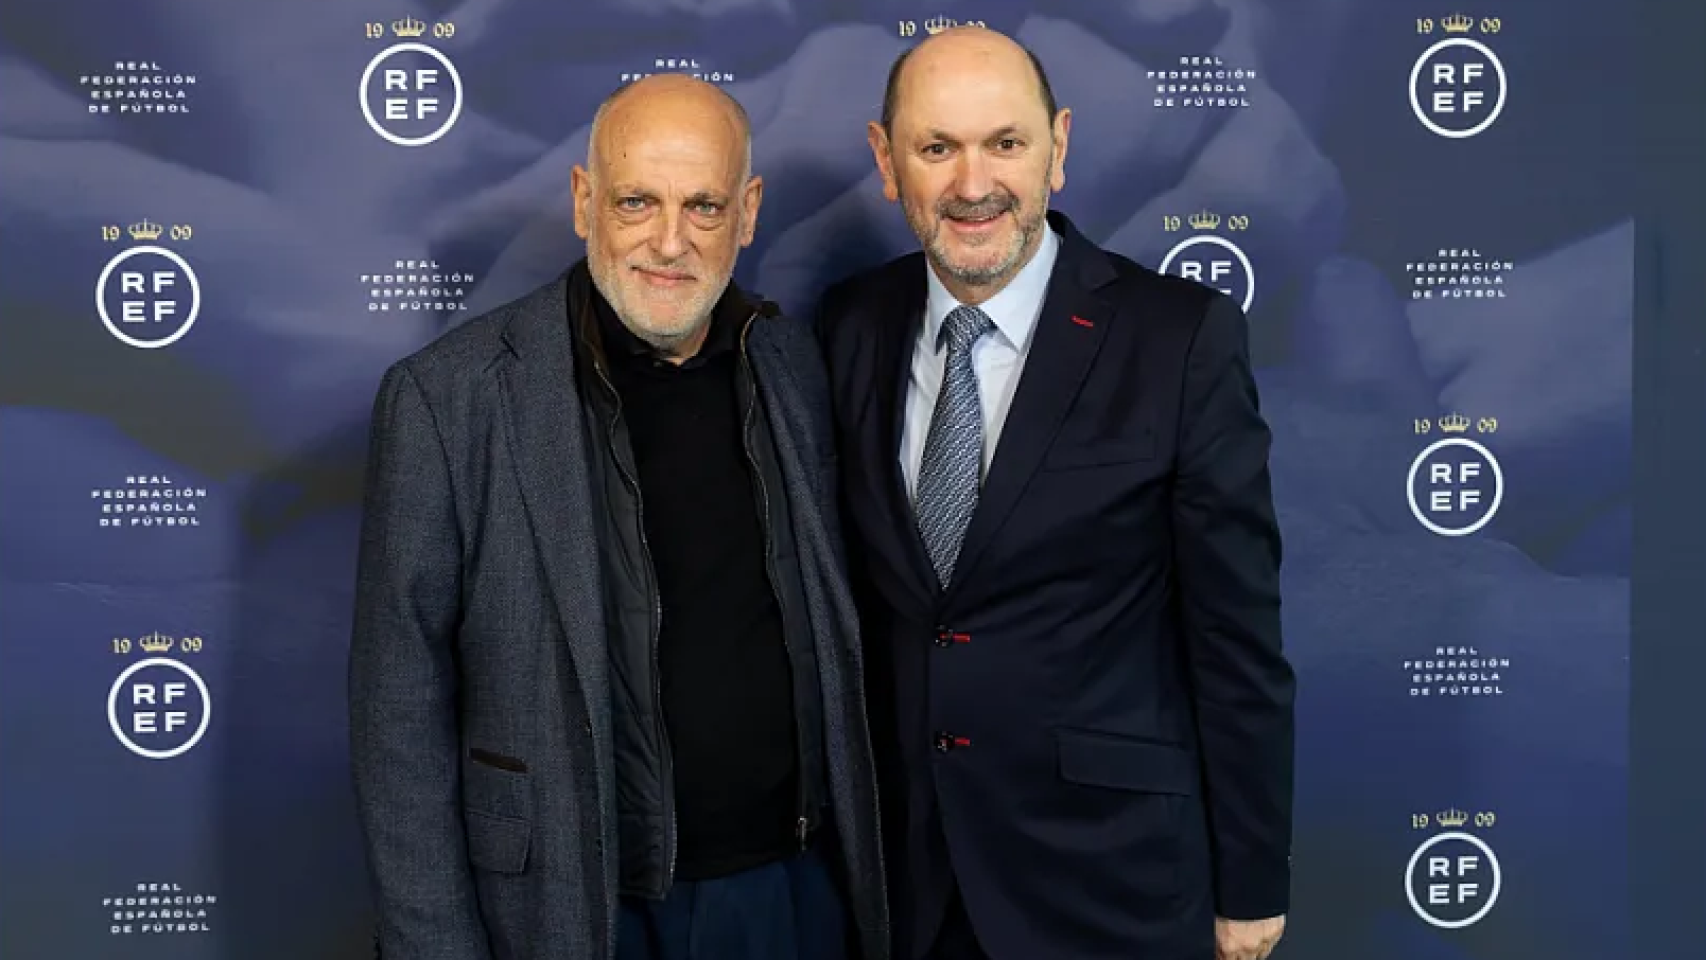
x: 1454, y: 423
x: 408, y: 27
x: 1452, y: 818
x: 146, y: 230
x: 157, y: 643
x: 1204, y: 220
x: 936, y: 25
x: 1457, y: 23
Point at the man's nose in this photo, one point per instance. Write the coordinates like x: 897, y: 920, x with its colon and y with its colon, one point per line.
x: 670, y: 238
x: 972, y: 181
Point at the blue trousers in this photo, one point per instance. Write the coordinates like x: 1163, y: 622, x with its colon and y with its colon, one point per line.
x: 789, y: 910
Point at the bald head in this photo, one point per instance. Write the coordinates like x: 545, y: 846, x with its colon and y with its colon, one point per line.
x: 957, y: 49
x: 671, y: 101
x: 972, y: 144
x: 665, y: 203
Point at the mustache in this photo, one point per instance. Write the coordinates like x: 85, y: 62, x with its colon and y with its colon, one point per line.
x: 680, y: 267
x: 990, y: 206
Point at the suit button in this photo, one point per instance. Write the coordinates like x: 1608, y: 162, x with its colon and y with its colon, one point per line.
x: 947, y: 741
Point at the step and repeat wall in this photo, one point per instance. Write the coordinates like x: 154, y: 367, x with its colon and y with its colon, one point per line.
x: 219, y: 223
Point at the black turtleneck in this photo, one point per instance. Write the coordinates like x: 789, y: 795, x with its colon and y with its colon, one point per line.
x: 726, y: 683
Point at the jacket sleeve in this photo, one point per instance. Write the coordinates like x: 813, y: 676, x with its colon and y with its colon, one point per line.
x: 1227, y: 546
x: 402, y: 687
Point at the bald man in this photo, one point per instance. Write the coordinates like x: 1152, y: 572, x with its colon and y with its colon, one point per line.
x: 604, y: 690
x: 1067, y: 555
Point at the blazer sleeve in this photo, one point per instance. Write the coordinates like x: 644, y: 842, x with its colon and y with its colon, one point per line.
x: 402, y: 687
x: 1227, y: 547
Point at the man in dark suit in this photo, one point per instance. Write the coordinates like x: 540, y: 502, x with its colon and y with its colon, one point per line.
x: 605, y: 692
x: 1066, y: 555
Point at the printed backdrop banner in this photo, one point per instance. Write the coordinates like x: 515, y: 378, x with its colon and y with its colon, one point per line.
x: 223, y: 221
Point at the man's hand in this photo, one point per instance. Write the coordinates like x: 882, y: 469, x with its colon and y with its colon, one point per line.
x: 1246, y: 939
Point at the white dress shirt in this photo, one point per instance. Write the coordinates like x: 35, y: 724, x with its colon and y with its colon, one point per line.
x: 998, y: 357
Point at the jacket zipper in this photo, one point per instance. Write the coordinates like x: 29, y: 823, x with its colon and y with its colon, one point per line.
x: 668, y: 790
x: 803, y: 822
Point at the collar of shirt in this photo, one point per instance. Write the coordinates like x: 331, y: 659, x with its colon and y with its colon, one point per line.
x: 622, y: 346
x: 1014, y: 310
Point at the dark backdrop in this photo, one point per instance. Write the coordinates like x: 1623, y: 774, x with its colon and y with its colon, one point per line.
x: 1479, y: 354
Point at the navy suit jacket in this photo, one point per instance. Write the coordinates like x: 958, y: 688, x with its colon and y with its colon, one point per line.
x: 1098, y: 708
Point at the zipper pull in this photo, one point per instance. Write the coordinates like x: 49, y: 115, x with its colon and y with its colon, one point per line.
x: 800, y: 832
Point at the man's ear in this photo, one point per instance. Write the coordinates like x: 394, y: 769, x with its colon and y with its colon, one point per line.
x: 883, y: 153
x: 1062, y: 130
x: 580, y: 182
x: 751, y: 196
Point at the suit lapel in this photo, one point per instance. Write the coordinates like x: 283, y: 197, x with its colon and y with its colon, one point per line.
x: 543, y: 427
x: 902, y: 317
x: 1070, y: 330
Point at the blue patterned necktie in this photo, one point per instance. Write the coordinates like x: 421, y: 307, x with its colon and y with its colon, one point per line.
x: 952, y: 466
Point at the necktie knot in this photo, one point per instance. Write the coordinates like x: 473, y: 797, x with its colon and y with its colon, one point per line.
x: 962, y: 328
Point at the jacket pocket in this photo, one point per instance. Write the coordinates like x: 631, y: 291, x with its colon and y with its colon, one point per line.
x: 497, y: 760
x: 497, y: 786
x: 497, y: 844
x: 1102, y: 452
x: 1119, y: 762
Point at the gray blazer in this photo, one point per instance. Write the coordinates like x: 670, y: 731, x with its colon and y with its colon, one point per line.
x: 479, y: 632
